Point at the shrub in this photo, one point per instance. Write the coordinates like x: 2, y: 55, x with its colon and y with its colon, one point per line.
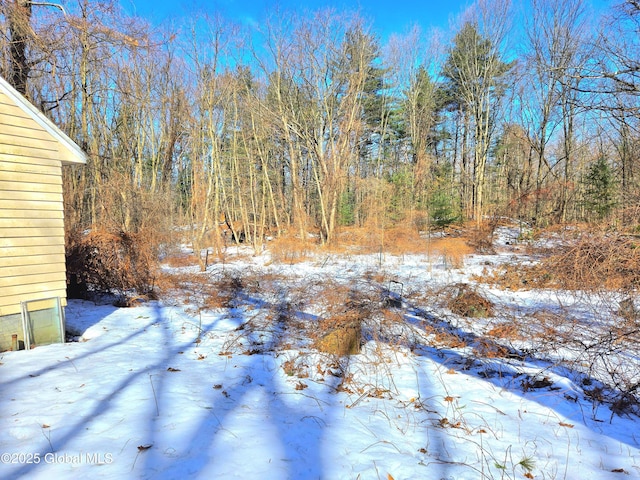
x: 453, y: 250
x: 597, y: 261
x: 481, y: 237
x: 592, y: 262
x: 106, y: 262
x: 290, y: 249
x: 467, y: 302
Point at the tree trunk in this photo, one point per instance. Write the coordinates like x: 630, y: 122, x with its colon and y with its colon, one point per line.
x: 19, y: 18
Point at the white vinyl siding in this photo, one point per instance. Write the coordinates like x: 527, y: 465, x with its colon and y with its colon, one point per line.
x: 32, y: 263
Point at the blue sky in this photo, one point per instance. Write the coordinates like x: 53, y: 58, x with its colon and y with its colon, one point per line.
x: 388, y: 16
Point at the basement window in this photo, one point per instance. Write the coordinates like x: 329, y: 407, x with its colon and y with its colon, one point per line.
x: 43, y: 322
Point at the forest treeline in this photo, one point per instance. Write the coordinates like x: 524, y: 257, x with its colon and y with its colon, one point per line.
x: 308, y: 122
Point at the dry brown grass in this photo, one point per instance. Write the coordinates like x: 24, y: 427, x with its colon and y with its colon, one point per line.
x: 549, y: 323
x: 452, y: 250
x: 505, y: 332
x: 398, y: 240
x: 296, y: 366
x: 356, y: 240
x: 487, y: 348
x: 324, y: 295
x: 167, y: 282
x: 444, y: 338
x: 365, y: 240
x: 178, y: 260
x: 205, y: 291
x: 517, y: 277
x: 290, y: 249
x: 404, y: 240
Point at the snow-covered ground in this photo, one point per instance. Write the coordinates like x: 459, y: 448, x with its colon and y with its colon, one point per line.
x: 167, y: 390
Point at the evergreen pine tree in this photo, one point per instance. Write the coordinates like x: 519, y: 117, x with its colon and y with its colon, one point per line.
x: 599, y: 193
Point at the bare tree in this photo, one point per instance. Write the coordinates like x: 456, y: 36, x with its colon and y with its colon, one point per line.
x: 556, y: 32
x: 617, y: 92
x: 475, y: 69
x: 19, y: 16
x: 619, y: 40
x: 412, y: 61
x: 315, y: 98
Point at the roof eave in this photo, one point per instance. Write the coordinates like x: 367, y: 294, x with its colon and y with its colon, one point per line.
x: 78, y: 156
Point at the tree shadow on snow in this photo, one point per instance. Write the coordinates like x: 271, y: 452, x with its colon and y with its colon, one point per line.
x: 524, y: 374
x: 196, y: 410
x: 241, y: 411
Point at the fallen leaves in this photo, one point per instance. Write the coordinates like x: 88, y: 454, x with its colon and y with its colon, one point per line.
x: 445, y: 423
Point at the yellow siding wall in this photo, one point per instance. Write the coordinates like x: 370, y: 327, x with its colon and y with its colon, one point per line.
x: 31, y: 211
